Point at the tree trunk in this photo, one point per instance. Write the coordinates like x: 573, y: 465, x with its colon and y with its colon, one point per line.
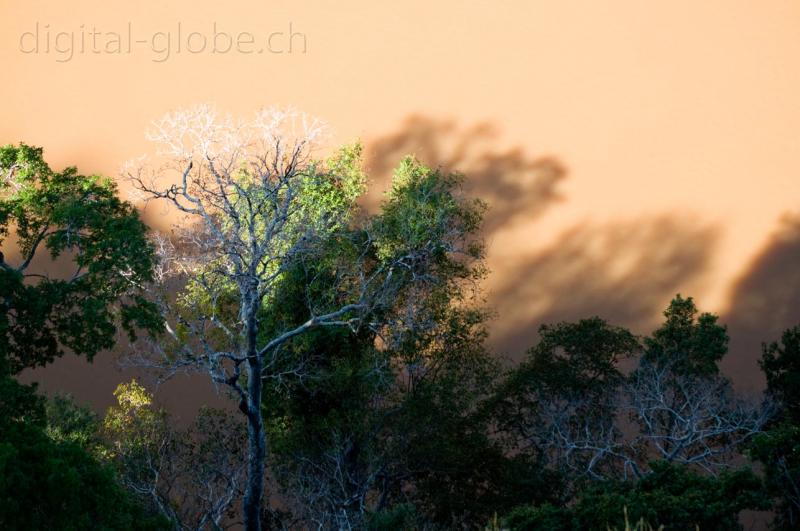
x: 256, y: 451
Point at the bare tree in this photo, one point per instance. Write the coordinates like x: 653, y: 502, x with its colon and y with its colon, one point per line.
x: 572, y: 436
x: 335, y: 490
x: 690, y: 419
x: 657, y: 413
x: 256, y: 203
x: 193, y: 477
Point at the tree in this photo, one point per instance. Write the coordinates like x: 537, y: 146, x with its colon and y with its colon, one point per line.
x: 56, y: 484
x: 65, y: 213
x: 192, y: 477
x: 780, y: 362
x: 258, y: 204
x: 685, y: 410
x: 384, y: 412
x: 690, y: 419
x: 47, y: 480
x: 779, y: 447
x: 692, y: 344
x: 561, y: 406
x: 68, y: 421
x: 569, y: 397
x: 373, y: 429
x: 186, y: 479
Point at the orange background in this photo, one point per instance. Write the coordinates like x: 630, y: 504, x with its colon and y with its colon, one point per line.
x: 629, y: 150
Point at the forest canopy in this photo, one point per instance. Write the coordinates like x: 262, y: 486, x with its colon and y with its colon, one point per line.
x: 352, y: 348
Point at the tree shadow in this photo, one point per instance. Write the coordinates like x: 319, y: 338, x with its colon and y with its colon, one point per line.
x: 511, y: 182
x: 764, y: 303
x: 624, y: 272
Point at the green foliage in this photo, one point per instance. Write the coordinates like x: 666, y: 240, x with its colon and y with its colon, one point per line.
x: 545, y: 517
x: 692, y: 344
x: 569, y: 381
x: 779, y: 448
x: 396, y: 409
x: 70, y: 422
x: 400, y: 516
x: 550, y: 518
x: 49, y: 478
x: 19, y: 404
x: 675, y: 497
x: 575, y: 359
x: 781, y: 365
x: 442, y: 427
x: 423, y: 206
x: 135, y: 427
x: 188, y: 476
x: 109, y: 260
x: 47, y: 485
x: 53, y: 483
x: 779, y: 451
x: 332, y: 192
x: 671, y: 496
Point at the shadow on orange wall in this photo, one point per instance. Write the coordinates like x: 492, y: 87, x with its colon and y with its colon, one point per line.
x: 623, y: 272
x: 512, y: 183
x: 626, y: 272
x: 764, y: 302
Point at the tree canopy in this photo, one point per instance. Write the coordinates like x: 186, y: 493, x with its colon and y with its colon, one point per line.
x: 49, y: 480
x: 353, y: 346
x: 77, y: 303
